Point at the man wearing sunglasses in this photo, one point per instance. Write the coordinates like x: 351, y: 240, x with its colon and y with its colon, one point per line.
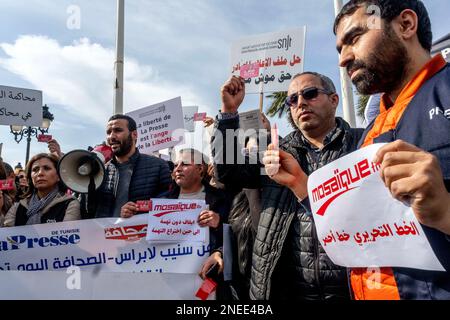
x: 288, y: 260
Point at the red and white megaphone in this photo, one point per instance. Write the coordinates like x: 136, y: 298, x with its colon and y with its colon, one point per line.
x: 84, y: 171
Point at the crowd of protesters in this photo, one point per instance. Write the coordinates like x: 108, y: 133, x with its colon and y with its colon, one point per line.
x: 275, y: 248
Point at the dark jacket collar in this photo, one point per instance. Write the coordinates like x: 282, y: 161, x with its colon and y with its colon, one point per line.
x: 297, y: 140
x: 133, y: 159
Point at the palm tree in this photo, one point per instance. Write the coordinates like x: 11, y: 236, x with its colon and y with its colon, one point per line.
x: 277, y: 105
x: 362, y: 104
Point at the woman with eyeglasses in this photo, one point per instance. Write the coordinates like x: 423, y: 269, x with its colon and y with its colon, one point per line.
x: 45, y: 200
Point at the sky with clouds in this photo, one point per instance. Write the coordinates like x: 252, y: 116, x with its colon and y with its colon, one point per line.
x: 172, y: 48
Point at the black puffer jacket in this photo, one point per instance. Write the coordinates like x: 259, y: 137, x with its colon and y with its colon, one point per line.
x: 316, y: 276
x: 150, y: 179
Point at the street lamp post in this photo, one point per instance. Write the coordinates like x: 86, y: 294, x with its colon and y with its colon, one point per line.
x: 19, y: 132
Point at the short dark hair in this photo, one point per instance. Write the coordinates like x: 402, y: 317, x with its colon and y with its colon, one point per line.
x: 131, y: 123
x: 326, y: 83
x: 390, y: 9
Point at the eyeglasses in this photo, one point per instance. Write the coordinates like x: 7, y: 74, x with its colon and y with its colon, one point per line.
x: 21, y: 177
x: 307, y: 94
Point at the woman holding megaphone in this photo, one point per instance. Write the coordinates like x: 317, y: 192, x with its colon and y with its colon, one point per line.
x: 45, y: 201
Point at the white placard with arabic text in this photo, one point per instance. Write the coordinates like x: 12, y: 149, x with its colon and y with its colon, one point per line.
x: 279, y: 55
x: 106, y: 245
x: 156, y: 125
x: 20, y: 107
x: 175, y: 220
x: 359, y: 223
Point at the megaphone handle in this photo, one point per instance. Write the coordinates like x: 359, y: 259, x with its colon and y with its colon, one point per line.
x: 91, y: 198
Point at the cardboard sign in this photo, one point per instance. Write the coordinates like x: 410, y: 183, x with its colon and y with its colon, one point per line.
x: 44, y: 137
x: 359, y: 223
x: 188, y: 117
x: 20, y: 107
x: 159, y: 126
x: 268, y: 62
x: 175, y: 220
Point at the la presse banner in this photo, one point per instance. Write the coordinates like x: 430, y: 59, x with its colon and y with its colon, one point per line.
x: 107, y: 245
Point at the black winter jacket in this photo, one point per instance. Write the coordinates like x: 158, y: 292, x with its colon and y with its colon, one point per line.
x: 150, y: 179
x: 317, y: 277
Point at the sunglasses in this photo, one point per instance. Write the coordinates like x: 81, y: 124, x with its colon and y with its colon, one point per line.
x: 307, y: 94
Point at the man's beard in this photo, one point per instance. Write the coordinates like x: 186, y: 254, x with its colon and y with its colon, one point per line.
x: 125, y: 147
x: 384, y: 69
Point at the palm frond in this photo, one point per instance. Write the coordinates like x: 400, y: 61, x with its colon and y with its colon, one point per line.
x: 277, y: 105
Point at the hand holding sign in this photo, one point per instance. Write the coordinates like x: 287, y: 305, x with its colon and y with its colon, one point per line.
x: 233, y: 93
x: 284, y: 169
x: 54, y: 147
x: 414, y: 176
x: 208, y: 218
x: 208, y: 121
x: 128, y: 210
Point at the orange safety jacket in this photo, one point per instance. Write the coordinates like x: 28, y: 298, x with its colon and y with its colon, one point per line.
x: 364, y: 283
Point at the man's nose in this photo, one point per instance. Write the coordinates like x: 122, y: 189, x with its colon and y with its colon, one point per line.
x: 346, y: 56
x: 301, y: 102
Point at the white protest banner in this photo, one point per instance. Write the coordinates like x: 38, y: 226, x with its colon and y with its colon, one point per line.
x: 90, y: 285
x: 279, y: 56
x: 359, y: 223
x: 156, y: 125
x: 175, y: 220
x: 20, y: 107
x: 106, y: 245
x: 188, y: 116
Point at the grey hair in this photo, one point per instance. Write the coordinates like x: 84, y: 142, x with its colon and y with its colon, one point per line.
x: 326, y: 82
x: 197, y: 156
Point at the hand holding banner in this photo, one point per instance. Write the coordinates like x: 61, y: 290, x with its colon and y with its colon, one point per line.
x: 359, y: 223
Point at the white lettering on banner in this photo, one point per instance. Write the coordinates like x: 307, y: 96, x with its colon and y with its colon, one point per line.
x: 175, y: 220
x: 74, y: 280
x: 359, y: 223
x: 106, y: 245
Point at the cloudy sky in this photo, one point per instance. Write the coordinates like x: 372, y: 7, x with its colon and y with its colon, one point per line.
x: 172, y: 48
